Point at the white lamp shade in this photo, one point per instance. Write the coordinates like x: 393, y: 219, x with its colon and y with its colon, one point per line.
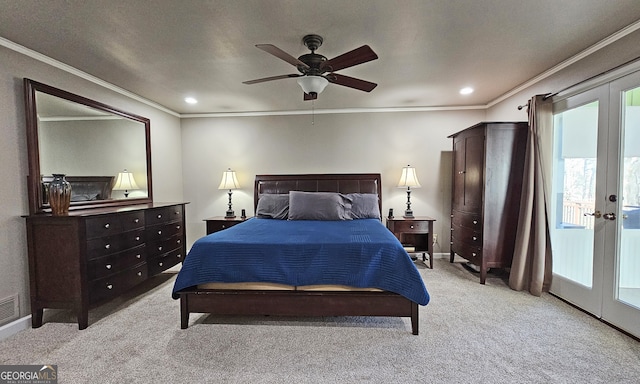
x: 312, y: 84
x: 408, y: 178
x: 125, y: 182
x: 229, y: 180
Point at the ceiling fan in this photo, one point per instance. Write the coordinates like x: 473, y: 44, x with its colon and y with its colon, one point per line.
x: 316, y: 71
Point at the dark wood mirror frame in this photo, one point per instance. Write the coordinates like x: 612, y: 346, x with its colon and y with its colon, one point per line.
x: 36, y: 204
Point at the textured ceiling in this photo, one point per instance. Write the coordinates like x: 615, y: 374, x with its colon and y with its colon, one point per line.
x: 165, y: 50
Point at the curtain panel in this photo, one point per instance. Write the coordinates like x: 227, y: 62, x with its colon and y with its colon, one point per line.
x: 531, y: 265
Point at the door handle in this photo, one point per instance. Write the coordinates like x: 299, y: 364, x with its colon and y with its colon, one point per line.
x: 609, y: 216
x: 596, y: 214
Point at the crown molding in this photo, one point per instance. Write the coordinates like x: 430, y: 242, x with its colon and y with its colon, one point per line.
x: 75, y: 71
x: 557, y: 68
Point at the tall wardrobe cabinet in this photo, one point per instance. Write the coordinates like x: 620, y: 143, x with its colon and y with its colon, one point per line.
x: 488, y: 162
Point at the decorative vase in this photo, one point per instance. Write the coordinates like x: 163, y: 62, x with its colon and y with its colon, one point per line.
x: 59, y: 195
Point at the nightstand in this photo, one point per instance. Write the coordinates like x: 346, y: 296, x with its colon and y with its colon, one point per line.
x: 218, y: 223
x: 416, y: 232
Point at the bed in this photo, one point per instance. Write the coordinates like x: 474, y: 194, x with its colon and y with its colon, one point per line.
x: 304, y: 260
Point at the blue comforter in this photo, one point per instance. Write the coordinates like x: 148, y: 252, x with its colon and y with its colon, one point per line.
x: 359, y: 253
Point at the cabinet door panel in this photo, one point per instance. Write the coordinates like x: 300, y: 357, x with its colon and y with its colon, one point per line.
x: 474, y: 178
x: 458, y: 174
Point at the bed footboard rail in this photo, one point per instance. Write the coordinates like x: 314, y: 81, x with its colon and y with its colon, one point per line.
x: 296, y: 303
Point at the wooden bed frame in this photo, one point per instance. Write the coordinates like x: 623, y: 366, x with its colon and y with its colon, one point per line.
x: 302, y: 303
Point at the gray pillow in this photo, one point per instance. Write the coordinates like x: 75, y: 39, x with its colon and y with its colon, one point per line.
x: 364, y: 205
x: 319, y: 206
x: 274, y: 206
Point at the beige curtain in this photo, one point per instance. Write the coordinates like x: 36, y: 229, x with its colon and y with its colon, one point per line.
x: 531, y: 266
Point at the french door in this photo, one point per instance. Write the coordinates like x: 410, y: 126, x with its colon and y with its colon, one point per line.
x: 595, y: 201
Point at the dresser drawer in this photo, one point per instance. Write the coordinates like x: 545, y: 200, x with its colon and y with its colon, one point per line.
x: 101, y: 226
x: 164, y: 215
x: 113, y: 244
x: 132, y: 220
x: 467, y: 251
x: 108, y: 265
x: 159, y: 232
x: 410, y: 226
x: 468, y: 220
x: 166, y: 261
x: 467, y: 235
x: 158, y: 247
x: 114, y: 285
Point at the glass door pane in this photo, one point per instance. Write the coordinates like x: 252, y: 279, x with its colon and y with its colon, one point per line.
x: 574, y: 191
x: 628, y: 271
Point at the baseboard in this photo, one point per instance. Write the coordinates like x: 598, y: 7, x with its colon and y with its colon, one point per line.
x: 14, y: 327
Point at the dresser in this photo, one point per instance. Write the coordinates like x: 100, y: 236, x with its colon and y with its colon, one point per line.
x: 87, y: 257
x: 488, y: 163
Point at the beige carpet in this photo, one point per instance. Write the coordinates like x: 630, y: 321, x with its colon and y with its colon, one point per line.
x: 469, y: 333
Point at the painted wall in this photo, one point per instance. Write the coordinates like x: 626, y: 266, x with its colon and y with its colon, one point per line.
x: 166, y: 157
x: 334, y: 143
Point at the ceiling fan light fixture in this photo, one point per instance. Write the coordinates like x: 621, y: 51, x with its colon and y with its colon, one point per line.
x: 312, y: 84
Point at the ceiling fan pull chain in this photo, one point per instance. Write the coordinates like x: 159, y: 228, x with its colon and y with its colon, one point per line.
x: 313, y: 112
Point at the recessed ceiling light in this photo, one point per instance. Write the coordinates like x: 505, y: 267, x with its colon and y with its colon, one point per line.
x: 190, y: 100
x: 466, y: 90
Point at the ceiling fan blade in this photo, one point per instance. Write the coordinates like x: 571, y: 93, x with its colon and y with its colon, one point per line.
x: 310, y: 96
x: 279, y: 53
x: 351, y: 82
x: 271, y: 78
x: 349, y: 59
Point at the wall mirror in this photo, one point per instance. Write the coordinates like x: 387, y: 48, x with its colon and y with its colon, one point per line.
x: 89, y: 142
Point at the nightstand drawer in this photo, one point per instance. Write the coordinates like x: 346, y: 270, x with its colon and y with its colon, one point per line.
x: 410, y: 227
x: 219, y: 225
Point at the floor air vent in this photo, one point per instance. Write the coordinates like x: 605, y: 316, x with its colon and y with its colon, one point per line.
x: 9, y: 309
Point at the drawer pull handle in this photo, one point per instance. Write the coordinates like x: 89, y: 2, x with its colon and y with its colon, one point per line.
x: 224, y: 226
x: 109, y: 286
x: 475, y: 221
x: 473, y: 254
x: 137, y: 238
x: 474, y: 238
x: 179, y: 256
x: 107, y: 246
x: 139, y: 273
x: 177, y: 227
x: 108, y: 266
x: 177, y: 212
x: 107, y: 226
x: 159, y: 232
x: 136, y: 220
x: 160, y: 264
x: 138, y: 256
x: 159, y: 216
x: 411, y: 226
x: 178, y: 241
x: 160, y: 248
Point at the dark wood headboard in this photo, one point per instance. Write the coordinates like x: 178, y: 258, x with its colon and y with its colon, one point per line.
x: 340, y: 182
